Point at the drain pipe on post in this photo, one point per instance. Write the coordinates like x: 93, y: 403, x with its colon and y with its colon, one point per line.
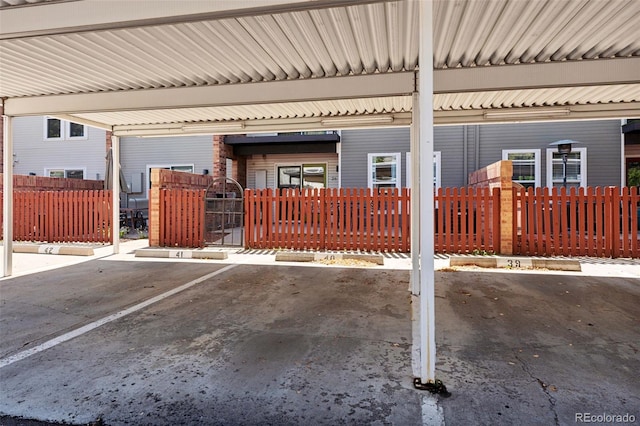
x: 115, y: 185
x: 7, y: 203
x: 415, y: 235
x: 465, y: 163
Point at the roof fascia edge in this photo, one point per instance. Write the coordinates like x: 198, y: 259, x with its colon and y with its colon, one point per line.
x: 84, y: 121
x: 593, y: 72
x: 358, y: 86
x: 66, y: 17
x: 576, y: 112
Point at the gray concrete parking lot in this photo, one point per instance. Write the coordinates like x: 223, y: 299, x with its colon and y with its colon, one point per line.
x: 200, y: 343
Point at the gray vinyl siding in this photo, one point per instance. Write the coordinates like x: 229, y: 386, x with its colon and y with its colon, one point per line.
x: 270, y: 162
x: 449, y: 141
x: 601, y: 138
x: 356, y: 144
x: 137, y: 153
x: 34, y: 154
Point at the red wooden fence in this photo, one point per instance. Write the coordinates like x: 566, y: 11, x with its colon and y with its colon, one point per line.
x: 328, y: 219
x: 363, y: 219
x: 587, y: 222
x: 591, y: 222
x: 62, y: 216
x: 181, y: 218
x: 467, y: 220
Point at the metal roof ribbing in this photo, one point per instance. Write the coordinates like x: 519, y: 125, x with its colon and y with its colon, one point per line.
x: 307, y: 44
x: 368, y: 38
x: 560, y: 96
x: 256, y: 112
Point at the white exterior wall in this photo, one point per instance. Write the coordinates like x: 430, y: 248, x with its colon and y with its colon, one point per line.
x: 34, y: 154
x: 270, y: 162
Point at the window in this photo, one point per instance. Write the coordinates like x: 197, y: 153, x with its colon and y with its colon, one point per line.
x: 384, y: 170
x: 576, y: 168
x: 314, y: 176
x: 58, y: 130
x: 437, y: 178
x: 306, y: 176
x: 289, y: 177
x: 526, y: 166
x: 65, y: 173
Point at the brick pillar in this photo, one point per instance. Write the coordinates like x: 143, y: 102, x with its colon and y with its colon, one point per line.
x: 108, y: 141
x: 2, y: 139
x: 241, y: 170
x: 154, y: 209
x: 219, y: 157
x: 498, y: 175
x: 506, y: 207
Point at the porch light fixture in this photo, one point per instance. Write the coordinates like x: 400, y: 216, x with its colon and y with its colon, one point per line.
x: 356, y: 120
x: 564, y: 149
x: 198, y: 127
x: 526, y: 113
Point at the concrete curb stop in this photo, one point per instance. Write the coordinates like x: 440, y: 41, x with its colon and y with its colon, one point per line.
x: 182, y: 253
x: 285, y: 256
x: 53, y: 249
x: 516, y: 263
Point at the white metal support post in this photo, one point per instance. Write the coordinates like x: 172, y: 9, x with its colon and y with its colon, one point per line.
x: 115, y: 185
x: 7, y: 204
x: 427, y: 274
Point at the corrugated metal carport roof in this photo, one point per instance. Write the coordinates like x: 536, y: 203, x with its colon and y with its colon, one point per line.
x: 291, y: 64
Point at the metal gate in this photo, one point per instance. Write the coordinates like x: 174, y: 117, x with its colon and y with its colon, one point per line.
x: 224, y: 213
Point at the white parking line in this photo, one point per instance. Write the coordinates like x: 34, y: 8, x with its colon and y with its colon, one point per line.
x: 86, y: 328
x: 431, y: 413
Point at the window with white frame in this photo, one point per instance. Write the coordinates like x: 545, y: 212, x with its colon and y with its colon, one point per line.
x: 59, y: 130
x: 75, y: 173
x: 436, y: 170
x: 384, y: 170
x: 526, y: 166
x: 576, y: 168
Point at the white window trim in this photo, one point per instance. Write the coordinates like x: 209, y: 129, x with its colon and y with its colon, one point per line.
x: 47, y: 170
x: 163, y: 166
x: 370, y: 156
x: 537, y: 167
x: 583, y: 165
x: 65, y: 131
x: 45, y: 130
x: 437, y: 159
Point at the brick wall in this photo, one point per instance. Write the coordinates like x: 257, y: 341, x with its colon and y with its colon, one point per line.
x: 42, y: 183
x: 2, y: 139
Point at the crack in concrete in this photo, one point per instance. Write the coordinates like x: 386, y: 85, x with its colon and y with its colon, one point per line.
x: 543, y: 386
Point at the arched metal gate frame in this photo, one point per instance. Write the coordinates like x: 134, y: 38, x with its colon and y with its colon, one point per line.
x: 224, y: 213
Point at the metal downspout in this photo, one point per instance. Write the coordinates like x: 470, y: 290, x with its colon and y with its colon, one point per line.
x: 7, y: 204
x: 115, y: 185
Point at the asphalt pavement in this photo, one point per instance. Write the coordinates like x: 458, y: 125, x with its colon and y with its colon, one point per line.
x: 118, y: 339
